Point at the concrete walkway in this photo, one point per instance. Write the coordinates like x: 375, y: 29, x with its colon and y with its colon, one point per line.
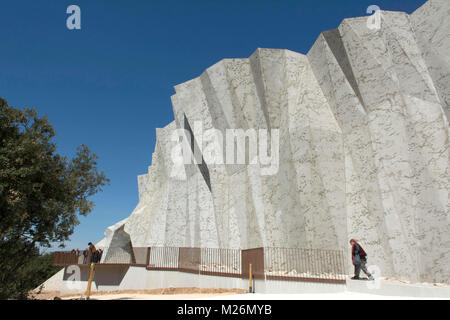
x: 319, y: 296
x: 258, y: 297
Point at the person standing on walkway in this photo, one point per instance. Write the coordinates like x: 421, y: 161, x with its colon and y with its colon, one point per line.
x: 93, y: 252
x: 359, y: 259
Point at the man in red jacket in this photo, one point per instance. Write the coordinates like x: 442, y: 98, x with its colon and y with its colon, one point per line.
x: 359, y: 259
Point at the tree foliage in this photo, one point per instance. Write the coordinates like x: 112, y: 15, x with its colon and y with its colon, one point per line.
x: 41, y: 192
x: 30, y: 276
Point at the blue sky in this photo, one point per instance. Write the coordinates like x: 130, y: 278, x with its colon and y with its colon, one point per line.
x: 109, y: 84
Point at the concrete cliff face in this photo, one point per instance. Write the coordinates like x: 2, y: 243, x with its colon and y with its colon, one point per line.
x: 363, y: 150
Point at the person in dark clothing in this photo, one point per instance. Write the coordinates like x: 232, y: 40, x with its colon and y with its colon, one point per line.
x: 99, y: 255
x: 85, y: 256
x: 94, y: 253
x: 359, y: 259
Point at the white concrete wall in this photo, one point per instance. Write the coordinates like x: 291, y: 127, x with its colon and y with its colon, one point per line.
x: 112, y: 278
x: 291, y: 287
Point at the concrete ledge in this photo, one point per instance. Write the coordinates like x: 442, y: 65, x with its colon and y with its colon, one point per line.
x: 388, y: 288
x: 295, y: 287
x: 117, y: 277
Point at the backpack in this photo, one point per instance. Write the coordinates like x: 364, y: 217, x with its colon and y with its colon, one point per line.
x: 362, y: 253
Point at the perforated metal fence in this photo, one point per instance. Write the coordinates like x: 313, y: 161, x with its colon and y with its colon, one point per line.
x: 117, y: 255
x: 255, y: 258
x: 189, y: 260
x: 65, y: 258
x: 287, y: 264
x: 139, y: 256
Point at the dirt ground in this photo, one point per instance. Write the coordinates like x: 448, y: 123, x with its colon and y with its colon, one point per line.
x: 167, y: 293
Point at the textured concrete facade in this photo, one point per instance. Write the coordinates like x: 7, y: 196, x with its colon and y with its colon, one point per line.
x: 364, y: 150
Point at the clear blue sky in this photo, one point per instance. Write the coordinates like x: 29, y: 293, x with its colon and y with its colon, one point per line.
x: 109, y: 84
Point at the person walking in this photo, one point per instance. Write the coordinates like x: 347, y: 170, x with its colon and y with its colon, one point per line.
x: 359, y: 259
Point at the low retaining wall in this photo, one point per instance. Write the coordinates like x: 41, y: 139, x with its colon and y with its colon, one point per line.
x: 113, y: 278
x: 120, y: 277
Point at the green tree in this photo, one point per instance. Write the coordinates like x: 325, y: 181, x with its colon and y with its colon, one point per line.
x: 32, y: 275
x: 41, y: 193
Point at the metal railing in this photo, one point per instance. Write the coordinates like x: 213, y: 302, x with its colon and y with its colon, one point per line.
x: 111, y: 255
x: 65, y: 258
x: 117, y: 255
x: 207, y: 261
x: 287, y: 264
x: 163, y: 258
x: 139, y: 256
x: 295, y: 264
x: 189, y: 260
x: 221, y: 262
